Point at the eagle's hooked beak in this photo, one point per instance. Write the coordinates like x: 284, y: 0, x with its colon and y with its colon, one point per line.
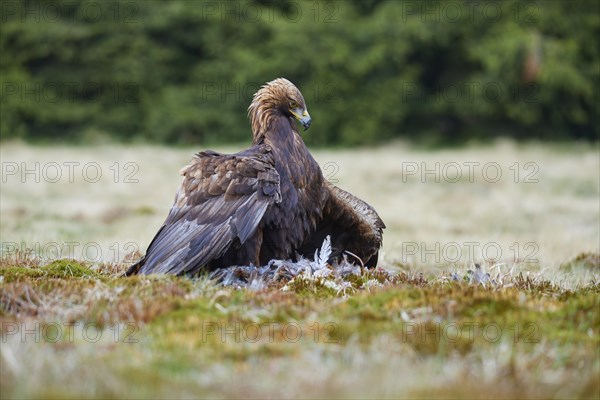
x: 302, y: 116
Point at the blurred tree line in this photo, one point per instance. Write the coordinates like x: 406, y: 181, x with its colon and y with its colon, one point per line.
x: 184, y: 71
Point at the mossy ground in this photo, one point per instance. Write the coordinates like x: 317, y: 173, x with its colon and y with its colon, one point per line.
x: 72, y: 329
x: 77, y: 329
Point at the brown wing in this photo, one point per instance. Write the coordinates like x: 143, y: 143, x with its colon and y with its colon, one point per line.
x: 354, y: 226
x: 222, y: 197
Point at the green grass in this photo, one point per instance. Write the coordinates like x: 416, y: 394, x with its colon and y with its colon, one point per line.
x: 74, y: 327
x: 408, y: 335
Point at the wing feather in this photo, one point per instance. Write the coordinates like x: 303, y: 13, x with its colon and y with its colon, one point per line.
x: 222, y: 198
x: 353, y: 225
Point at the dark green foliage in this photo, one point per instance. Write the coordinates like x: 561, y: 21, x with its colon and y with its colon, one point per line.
x: 185, y: 71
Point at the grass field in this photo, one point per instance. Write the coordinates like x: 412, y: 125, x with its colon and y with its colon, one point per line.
x: 420, y: 326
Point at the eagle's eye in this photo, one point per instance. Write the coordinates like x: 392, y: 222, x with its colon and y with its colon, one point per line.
x: 294, y: 105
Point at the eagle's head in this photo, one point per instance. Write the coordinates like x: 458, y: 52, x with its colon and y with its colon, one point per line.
x: 279, y: 97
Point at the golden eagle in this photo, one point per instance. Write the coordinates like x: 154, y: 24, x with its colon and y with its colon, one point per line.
x: 270, y: 201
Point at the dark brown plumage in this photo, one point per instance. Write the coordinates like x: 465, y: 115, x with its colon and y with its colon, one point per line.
x: 270, y: 201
